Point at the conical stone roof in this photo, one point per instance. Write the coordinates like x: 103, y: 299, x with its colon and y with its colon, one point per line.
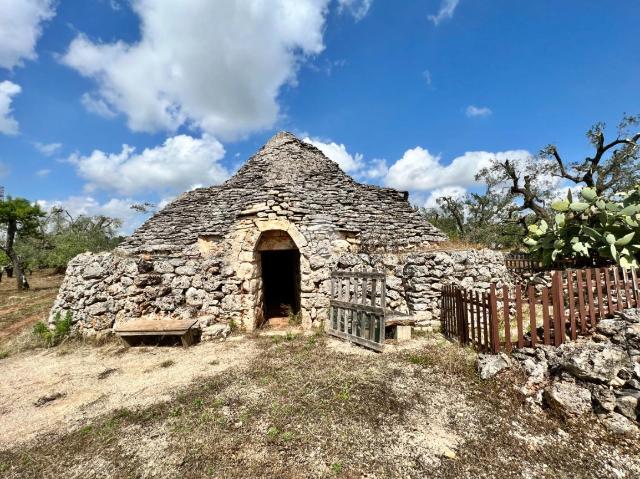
x: 290, y: 178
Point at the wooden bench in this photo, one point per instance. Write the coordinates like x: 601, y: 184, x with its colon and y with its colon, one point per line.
x: 158, y: 327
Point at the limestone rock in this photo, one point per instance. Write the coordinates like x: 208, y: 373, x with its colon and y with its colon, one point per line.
x: 618, y: 424
x: 595, y: 362
x: 215, y: 331
x: 491, y: 364
x: 568, y: 399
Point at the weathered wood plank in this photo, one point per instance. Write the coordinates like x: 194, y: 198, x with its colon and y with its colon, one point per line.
x: 155, y: 326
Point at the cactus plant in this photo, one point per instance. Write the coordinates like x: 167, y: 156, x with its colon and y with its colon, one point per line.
x: 590, y: 230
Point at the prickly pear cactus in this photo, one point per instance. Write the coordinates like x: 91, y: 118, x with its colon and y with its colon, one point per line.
x: 591, y: 227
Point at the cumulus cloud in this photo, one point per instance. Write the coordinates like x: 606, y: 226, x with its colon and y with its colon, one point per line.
x: 179, y: 163
x: 452, y: 191
x: 8, y: 124
x: 419, y: 170
x: 357, y: 8
x: 338, y: 153
x: 214, y: 66
x: 376, y: 168
x: 474, y: 111
x: 43, y: 173
x: 47, y: 149
x: 20, y: 27
x: 446, y: 11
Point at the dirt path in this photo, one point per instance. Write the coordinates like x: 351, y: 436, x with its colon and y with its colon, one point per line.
x: 50, y: 392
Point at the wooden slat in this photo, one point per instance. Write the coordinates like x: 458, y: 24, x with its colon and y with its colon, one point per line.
x: 532, y: 316
x: 582, y: 313
x: 558, y: 309
x: 607, y: 279
x: 361, y: 341
x: 478, y: 320
x: 485, y: 322
x: 493, y: 319
x: 155, y: 326
x: 627, y: 289
x: 546, y: 326
x: 572, y: 305
x: 598, y: 277
x: 506, y: 318
x: 519, y: 316
x: 616, y: 281
x: 592, y: 312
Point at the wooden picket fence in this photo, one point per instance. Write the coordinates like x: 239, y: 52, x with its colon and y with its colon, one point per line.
x: 503, y: 318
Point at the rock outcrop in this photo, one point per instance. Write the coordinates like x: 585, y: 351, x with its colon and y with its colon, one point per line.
x: 599, y: 374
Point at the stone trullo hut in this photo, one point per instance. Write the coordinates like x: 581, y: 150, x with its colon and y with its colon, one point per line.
x: 269, y: 236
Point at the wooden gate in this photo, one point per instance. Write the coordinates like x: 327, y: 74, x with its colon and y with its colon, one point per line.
x: 357, y: 308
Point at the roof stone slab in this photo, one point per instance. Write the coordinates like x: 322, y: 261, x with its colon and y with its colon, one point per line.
x: 287, y: 178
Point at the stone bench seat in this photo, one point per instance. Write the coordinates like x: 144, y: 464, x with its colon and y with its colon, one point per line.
x: 400, y: 325
x: 185, y: 328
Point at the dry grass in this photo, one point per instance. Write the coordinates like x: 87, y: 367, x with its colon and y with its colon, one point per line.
x: 301, y: 409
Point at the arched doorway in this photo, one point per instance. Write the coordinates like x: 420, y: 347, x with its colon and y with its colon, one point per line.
x: 279, y: 260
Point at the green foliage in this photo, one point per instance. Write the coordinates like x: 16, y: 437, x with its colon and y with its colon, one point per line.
x: 61, y: 330
x: 485, y: 219
x: 63, y: 237
x: 22, y: 214
x: 591, y: 229
x: 294, y: 319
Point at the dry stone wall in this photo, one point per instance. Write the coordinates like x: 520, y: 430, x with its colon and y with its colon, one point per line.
x: 219, y: 280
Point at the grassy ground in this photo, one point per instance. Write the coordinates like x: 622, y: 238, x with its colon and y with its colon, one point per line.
x: 19, y: 310
x: 308, y: 407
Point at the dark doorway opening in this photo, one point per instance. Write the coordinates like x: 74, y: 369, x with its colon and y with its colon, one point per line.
x: 280, y: 282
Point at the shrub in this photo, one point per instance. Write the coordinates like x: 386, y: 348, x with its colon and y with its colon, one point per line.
x: 294, y: 319
x: 61, y: 330
x: 591, y: 230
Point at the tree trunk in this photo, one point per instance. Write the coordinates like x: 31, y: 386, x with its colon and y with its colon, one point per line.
x: 18, y: 272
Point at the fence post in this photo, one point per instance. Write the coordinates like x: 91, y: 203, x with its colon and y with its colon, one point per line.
x: 493, y: 319
x: 557, y: 300
x: 460, y: 317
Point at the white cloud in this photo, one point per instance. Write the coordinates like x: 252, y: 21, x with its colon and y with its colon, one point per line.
x: 338, y: 153
x: 8, y: 124
x: 214, y: 66
x: 357, y: 8
x: 447, y: 8
x: 96, y: 105
x: 179, y: 163
x: 4, y: 170
x: 419, y: 170
x: 20, y: 27
x: 376, y: 168
x: 42, y: 173
x: 474, y: 111
x: 47, y: 149
x: 452, y: 191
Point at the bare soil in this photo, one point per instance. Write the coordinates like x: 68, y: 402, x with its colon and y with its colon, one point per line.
x: 21, y: 309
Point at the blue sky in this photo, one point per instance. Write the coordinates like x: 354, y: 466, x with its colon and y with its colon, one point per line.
x: 414, y: 95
